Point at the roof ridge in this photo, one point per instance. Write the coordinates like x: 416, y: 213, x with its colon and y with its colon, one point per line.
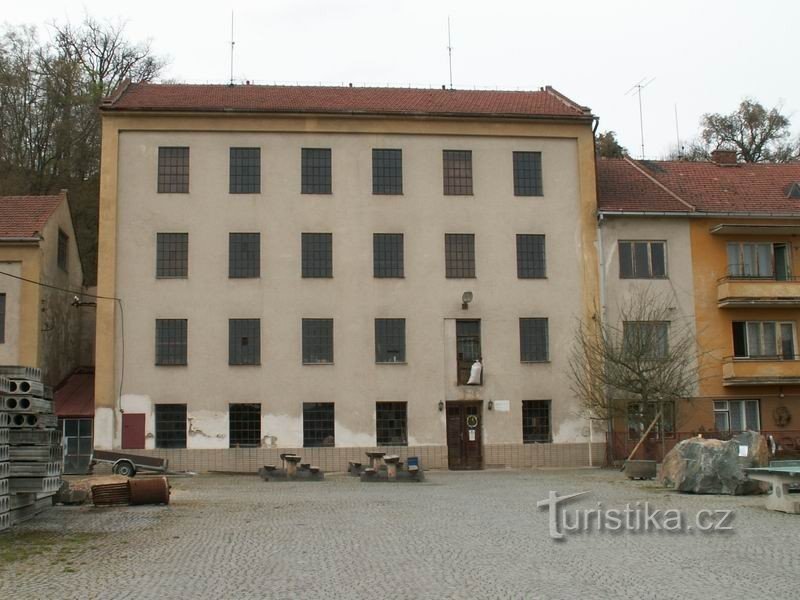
x: 652, y: 178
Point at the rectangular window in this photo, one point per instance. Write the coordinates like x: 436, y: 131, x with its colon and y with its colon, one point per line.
x: 173, y: 170
x: 245, y: 171
x: 764, y: 339
x: 317, y: 341
x: 640, y: 416
x: 759, y: 260
x: 387, y: 171
x: 387, y: 255
x: 531, y: 261
x: 468, y: 348
x: 171, y: 341
x: 390, y: 340
x: 457, y: 172
x: 244, y: 429
x: 317, y: 254
x: 316, y: 171
x: 533, y: 340
x: 391, y: 423
x: 2, y: 318
x: 646, y: 339
x: 170, y: 426
x: 642, y: 260
x: 244, y: 341
x: 736, y: 415
x: 536, y: 421
x: 528, y: 174
x: 244, y: 255
x: 459, y: 255
x: 318, y: 425
x: 172, y: 255
x: 63, y: 250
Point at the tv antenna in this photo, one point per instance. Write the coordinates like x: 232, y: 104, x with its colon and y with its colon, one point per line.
x: 678, y: 132
x: 232, y: 45
x: 637, y: 89
x: 449, y: 52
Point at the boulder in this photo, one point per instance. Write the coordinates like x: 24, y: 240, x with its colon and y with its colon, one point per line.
x: 707, y: 466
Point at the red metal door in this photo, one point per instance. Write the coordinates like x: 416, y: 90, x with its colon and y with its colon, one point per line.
x: 133, y: 431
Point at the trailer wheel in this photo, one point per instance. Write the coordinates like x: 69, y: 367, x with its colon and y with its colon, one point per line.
x: 125, y: 468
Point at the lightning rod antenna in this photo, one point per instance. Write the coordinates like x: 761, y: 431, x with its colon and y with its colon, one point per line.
x: 678, y: 132
x: 232, y: 45
x: 449, y: 52
x: 637, y: 89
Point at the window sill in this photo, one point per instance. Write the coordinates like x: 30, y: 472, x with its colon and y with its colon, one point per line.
x: 533, y: 278
x: 537, y: 441
x: 248, y: 277
x: 389, y: 362
x: 665, y: 278
x: 168, y: 277
x: 314, y: 364
x: 316, y: 276
x: 388, y: 276
x: 528, y: 195
x: 374, y: 193
x: 535, y: 362
x: 244, y: 364
x: 171, y: 365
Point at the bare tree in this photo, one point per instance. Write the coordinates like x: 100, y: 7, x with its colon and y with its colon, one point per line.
x: 649, y: 358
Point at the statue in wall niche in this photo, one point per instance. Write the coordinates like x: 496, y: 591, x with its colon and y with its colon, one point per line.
x: 782, y: 416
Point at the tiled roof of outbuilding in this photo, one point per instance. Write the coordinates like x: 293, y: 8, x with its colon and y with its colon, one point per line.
x: 25, y: 216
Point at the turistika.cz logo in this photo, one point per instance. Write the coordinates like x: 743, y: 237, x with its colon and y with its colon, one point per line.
x: 639, y: 517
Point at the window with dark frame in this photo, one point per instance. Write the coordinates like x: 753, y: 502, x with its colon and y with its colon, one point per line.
x: 528, y: 174
x: 459, y: 254
x: 170, y: 425
x: 457, y: 172
x: 63, y: 251
x: 171, y: 341
x: 387, y: 171
x: 245, y: 171
x: 317, y: 341
x: 317, y: 255
x: 315, y: 171
x: 737, y: 415
x: 2, y: 318
x: 244, y: 425
x: 244, y: 255
x: 172, y: 255
x: 646, y: 339
x: 244, y: 341
x: 390, y: 340
x: 468, y: 348
x: 533, y: 340
x: 318, y: 425
x: 391, y: 423
x: 387, y: 255
x: 536, y: 422
x: 173, y: 170
x: 531, y: 259
x: 642, y: 260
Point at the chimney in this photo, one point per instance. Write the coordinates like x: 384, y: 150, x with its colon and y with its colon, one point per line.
x: 723, y: 157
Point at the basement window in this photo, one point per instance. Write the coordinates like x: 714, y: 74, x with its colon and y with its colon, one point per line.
x: 170, y: 426
x: 391, y: 420
x: 536, y: 421
x: 244, y: 425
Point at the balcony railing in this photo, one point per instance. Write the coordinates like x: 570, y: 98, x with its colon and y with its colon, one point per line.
x: 762, y: 370
x: 743, y: 291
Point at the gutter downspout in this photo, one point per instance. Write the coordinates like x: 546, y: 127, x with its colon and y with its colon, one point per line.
x: 602, y: 317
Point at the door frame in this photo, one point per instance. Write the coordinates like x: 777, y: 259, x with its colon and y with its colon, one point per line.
x: 463, y: 404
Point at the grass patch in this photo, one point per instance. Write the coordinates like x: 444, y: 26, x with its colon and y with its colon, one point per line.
x: 24, y: 545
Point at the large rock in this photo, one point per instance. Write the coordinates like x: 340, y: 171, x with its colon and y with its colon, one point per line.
x: 707, y: 466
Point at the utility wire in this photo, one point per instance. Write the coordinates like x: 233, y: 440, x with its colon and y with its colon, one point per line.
x: 87, y: 295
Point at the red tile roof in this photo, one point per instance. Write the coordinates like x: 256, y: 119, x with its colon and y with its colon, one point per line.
x: 706, y: 187
x: 25, y: 216
x: 75, y: 397
x: 546, y: 102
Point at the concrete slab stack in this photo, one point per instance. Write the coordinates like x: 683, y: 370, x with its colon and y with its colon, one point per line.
x: 33, y: 451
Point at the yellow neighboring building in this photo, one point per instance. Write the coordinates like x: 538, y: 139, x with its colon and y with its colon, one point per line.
x: 742, y: 226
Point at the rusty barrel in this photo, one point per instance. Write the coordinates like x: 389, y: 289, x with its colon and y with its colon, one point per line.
x: 110, y: 493
x: 152, y: 490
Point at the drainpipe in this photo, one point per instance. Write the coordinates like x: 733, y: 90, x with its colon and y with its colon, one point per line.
x: 602, y: 314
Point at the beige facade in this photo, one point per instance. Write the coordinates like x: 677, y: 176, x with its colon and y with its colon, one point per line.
x: 133, y: 213
x: 42, y: 327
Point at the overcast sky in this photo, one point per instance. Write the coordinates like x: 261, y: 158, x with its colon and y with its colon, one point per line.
x: 705, y: 56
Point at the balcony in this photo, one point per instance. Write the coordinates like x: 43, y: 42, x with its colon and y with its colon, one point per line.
x: 758, y: 292
x: 761, y: 371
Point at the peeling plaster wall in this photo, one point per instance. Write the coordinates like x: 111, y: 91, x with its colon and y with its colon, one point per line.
x: 428, y: 301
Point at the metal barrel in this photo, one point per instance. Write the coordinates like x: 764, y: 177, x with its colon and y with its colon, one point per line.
x: 111, y: 493
x: 153, y: 490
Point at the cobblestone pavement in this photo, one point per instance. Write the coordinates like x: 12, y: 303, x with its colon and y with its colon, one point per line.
x: 459, y: 535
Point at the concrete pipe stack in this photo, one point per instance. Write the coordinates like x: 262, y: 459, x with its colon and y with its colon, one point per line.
x: 5, y: 464
x: 32, y: 445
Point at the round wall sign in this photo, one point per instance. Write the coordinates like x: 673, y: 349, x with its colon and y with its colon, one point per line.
x: 472, y: 421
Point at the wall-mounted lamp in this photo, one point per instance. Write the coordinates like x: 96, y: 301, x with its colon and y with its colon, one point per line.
x: 441, y: 406
x: 466, y: 298
x: 490, y: 406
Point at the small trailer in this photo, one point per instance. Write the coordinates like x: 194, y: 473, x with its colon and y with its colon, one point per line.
x: 126, y: 464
